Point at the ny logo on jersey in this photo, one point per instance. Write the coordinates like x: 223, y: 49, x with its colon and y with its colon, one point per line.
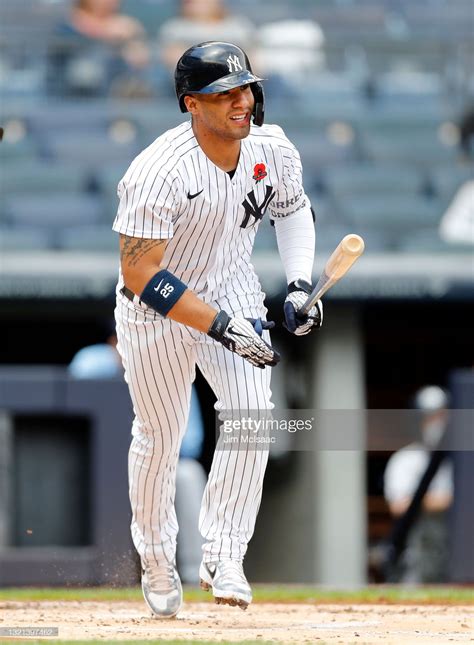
x: 257, y: 211
x: 234, y: 62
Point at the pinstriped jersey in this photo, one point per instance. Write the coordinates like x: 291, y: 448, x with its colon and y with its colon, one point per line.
x: 173, y: 191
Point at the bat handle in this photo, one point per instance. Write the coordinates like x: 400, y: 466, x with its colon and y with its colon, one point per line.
x: 320, y: 289
x: 303, y: 311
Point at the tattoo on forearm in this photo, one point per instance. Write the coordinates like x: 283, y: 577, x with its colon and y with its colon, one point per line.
x: 134, y: 249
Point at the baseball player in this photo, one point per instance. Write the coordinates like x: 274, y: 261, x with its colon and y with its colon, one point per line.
x: 187, y: 295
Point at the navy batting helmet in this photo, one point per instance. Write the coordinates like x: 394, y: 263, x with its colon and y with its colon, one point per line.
x: 217, y: 67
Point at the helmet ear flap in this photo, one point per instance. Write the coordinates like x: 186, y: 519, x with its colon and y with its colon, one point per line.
x: 259, y: 109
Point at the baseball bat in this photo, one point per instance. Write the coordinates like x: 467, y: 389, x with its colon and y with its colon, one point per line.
x: 343, y: 257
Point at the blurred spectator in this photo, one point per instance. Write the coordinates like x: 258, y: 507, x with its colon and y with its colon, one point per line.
x: 426, y: 555
x: 102, y: 361
x: 200, y: 21
x: 98, y: 361
x: 100, y: 51
x: 101, y: 20
x: 290, y: 52
x: 457, y: 223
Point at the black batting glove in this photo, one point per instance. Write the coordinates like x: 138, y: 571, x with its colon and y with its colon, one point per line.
x: 298, y: 292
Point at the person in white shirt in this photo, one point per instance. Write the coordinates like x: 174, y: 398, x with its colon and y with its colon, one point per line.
x: 425, y: 558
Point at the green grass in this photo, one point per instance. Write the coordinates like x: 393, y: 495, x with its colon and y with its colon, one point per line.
x: 262, y: 593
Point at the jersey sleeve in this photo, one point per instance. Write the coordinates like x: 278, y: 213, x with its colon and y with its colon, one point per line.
x: 148, y: 203
x: 290, y: 197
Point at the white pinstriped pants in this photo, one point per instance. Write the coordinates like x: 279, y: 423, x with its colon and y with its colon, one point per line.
x: 159, y: 358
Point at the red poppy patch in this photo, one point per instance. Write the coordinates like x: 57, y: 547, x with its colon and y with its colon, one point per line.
x: 259, y: 172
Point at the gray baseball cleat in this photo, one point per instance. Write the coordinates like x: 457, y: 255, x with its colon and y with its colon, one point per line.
x: 228, y: 582
x: 162, y: 591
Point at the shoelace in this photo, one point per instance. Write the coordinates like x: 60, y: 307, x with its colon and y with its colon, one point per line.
x: 161, y: 579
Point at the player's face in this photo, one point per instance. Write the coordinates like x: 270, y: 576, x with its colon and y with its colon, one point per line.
x: 226, y: 114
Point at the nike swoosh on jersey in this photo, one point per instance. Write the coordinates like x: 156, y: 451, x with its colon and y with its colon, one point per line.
x: 158, y: 285
x: 195, y: 194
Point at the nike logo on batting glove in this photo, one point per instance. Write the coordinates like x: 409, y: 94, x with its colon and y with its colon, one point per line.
x: 231, y: 330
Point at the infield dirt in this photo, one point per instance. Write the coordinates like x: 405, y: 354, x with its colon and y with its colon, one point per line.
x: 275, y: 622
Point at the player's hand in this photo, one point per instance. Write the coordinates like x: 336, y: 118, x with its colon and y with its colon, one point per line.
x: 298, y: 292
x: 242, y: 336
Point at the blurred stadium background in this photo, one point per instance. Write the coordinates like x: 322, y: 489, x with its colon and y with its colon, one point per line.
x: 378, y: 119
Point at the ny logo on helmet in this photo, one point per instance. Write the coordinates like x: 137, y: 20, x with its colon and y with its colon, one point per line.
x: 234, y: 62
